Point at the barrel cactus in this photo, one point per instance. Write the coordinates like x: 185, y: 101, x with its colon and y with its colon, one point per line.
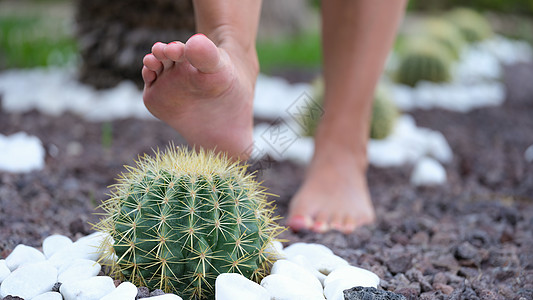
x: 179, y: 219
x: 446, y: 33
x: 471, y: 23
x: 311, y: 117
x: 424, y: 59
x: 384, y: 115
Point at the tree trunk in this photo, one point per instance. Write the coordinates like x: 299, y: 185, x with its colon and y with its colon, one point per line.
x: 114, y: 36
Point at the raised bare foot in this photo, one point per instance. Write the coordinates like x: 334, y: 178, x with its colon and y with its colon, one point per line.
x: 334, y: 196
x: 204, y: 92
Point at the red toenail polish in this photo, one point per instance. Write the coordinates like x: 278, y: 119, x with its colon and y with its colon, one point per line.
x: 198, y: 34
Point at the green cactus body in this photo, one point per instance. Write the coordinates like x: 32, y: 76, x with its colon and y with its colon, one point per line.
x: 424, y: 59
x: 446, y: 33
x: 384, y: 115
x: 473, y: 26
x: 180, y: 219
x: 311, y: 117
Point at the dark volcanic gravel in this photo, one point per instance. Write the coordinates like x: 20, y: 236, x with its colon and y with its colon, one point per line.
x: 469, y: 239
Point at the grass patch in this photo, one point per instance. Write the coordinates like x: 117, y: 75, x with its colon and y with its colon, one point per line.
x: 33, y: 39
x: 303, y: 51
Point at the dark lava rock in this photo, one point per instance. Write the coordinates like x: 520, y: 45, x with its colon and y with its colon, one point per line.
x: 117, y: 282
x: 399, y: 263
x: 370, y: 293
x: 410, y: 293
x: 142, y: 292
x: 435, y: 295
x: 79, y: 226
x: 157, y: 292
x: 56, y: 287
x: 465, y: 251
x: 415, y: 275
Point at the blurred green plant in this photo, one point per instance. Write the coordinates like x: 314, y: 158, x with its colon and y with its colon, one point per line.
x: 106, y: 137
x: 503, y: 6
x: 299, y: 51
x: 446, y: 33
x: 473, y: 26
x: 384, y: 111
x: 33, y: 41
x: 423, y: 58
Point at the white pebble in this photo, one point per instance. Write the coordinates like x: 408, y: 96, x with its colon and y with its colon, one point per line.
x: 298, y: 273
x: 29, y: 280
x: 282, y: 287
x: 320, y: 256
x: 438, y: 147
x: 22, y: 255
x: 359, y: 277
x: 54, y: 243
x: 125, y: 291
x: 299, y: 248
x: 301, y: 151
x: 86, y: 247
x: 4, y: 270
x: 274, y: 251
x: 21, y: 153
x: 165, y: 297
x: 78, y: 269
x: 233, y: 286
x: 428, y: 171
x: 93, y: 288
x: 48, y: 296
x: 304, y: 262
x: 334, y: 290
x: 529, y: 154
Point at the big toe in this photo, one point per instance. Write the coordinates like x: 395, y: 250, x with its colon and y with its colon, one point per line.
x: 300, y: 222
x: 203, y: 54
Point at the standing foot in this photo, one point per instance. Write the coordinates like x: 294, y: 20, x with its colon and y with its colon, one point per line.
x: 334, y: 196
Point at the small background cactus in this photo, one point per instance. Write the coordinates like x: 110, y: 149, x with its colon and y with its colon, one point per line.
x: 471, y: 23
x: 424, y: 59
x: 384, y: 115
x: 179, y: 219
x: 446, y: 33
x: 384, y: 112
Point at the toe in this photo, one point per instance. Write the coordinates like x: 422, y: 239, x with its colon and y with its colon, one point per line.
x: 321, y: 223
x: 152, y: 63
x: 148, y: 75
x: 174, y: 51
x: 337, y: 223
x: 349, y: 225
x: 158, y: 49
x: 203, y: 54
x: 299, y: 223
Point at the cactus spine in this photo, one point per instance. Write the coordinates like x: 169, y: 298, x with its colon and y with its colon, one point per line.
x: 179, y: 219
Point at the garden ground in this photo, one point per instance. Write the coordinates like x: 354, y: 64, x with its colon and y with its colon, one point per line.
x: 470, y: 238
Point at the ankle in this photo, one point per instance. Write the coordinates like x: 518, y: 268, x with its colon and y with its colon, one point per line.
x: 341, y: 154
x: 239, y: 48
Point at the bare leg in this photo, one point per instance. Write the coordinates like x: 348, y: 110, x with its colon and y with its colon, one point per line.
x: 204, y: 88
x: 357, y: 36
